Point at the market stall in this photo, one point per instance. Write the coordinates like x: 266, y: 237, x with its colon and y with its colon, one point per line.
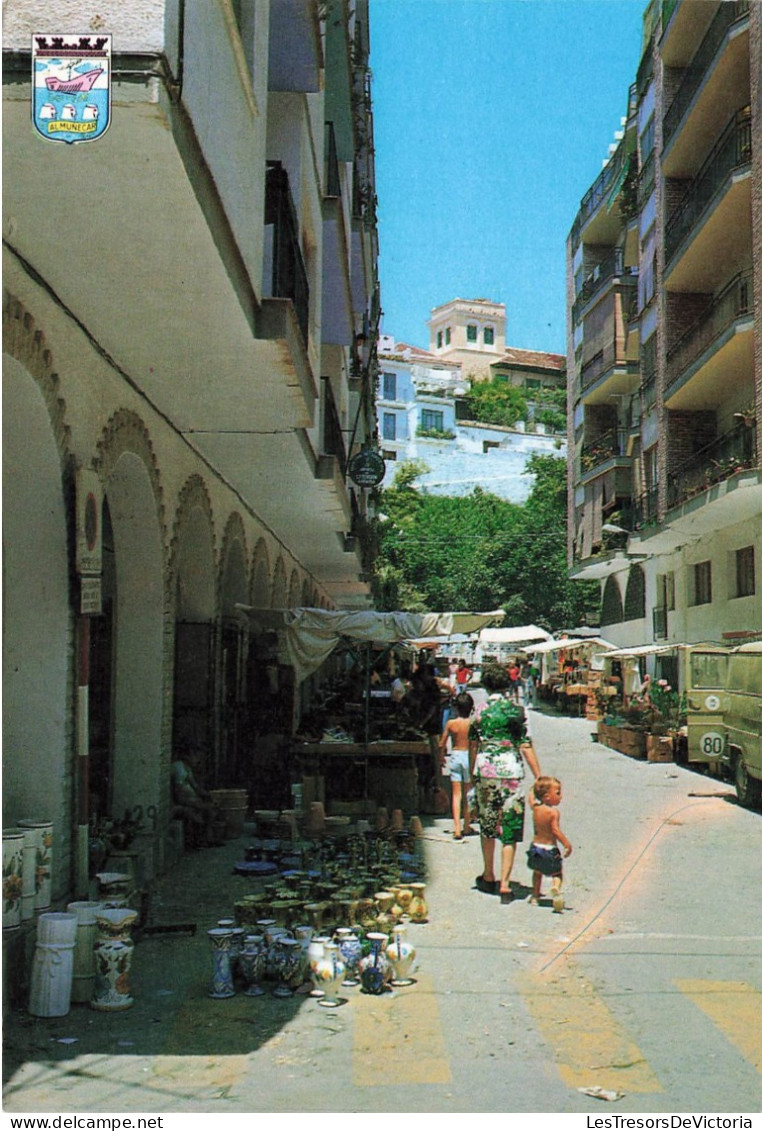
x: 572, y: 673
x: 358, y: 744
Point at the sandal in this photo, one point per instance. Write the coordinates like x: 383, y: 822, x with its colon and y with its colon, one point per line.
x: 489, y: 887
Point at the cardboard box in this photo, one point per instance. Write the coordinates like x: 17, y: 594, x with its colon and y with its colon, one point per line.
x: 660, y: 748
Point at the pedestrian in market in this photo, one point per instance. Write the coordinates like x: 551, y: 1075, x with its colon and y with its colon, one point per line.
x: 456, y: 732
x: 499, y: 750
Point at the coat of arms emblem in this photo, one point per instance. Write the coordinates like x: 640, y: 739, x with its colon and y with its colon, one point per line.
x: 71, y: 82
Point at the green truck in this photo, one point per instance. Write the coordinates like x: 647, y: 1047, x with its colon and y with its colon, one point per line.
x: 724, y: 713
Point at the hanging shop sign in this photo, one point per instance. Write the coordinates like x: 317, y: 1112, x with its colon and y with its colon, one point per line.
x: 367, y: 468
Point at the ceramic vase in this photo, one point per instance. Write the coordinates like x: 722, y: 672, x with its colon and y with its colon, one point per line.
x: 350, y: 949
x: 83, y: 980
x: 113, y: 959
x: 328, y: 973
x: 404, y: 899
x: 222, y: 984
x: 401, y: 955
x: 43, y: 859
x: 375, y: 971
x: 113, y: 888
x: 289, y: 960
x: 13, y: 877
x: 418, y: 911
x: 53, y: 964
x: 252, y: 964
x: 315, y: 951
x: 29, y: 875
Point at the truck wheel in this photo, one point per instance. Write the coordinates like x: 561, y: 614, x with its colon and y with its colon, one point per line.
x: 748, y: 789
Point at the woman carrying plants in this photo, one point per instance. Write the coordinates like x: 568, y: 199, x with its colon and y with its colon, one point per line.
x: 499, y: 747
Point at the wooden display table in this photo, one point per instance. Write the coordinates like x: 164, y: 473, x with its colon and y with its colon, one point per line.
x: 386, y: 772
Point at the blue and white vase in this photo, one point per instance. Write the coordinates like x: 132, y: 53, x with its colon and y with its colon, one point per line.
x: 222, y: 984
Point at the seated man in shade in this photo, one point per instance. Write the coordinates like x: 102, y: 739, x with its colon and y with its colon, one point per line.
x: 192, y: 802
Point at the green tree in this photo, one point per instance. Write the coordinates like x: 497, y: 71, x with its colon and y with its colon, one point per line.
x: 496, y: 401
x: 440, y: 552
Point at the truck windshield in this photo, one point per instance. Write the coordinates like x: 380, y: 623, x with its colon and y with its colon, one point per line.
x: 708, y: 669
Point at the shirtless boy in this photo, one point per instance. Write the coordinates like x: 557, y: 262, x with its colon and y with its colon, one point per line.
x: 456, y: 731
x: 544, y: 856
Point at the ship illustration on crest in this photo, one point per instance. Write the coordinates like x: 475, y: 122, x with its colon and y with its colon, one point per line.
x: 71, y: 82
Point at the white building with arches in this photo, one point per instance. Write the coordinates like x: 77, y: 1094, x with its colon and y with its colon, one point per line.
x: 190, y: 306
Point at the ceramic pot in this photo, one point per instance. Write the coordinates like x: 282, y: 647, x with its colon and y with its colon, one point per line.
x: 350, y: 949
x: 315, y: 951
x: 53, y: 965
x: 418, y: 911
x: 13, y: 877
x: 43, y: 859
x: 29, y: 876
x: 375, y: 970
x: 401, y: 955
x: 222, y: 984
x: 328, y: 973
x: 252, y: 964
x: 415, y: 827
x: 113, y: 959
x: 83, y: 978
x: 289, y: 960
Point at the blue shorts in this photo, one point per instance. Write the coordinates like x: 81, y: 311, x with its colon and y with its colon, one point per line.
x: 545, y: 859
x: 458, y: 762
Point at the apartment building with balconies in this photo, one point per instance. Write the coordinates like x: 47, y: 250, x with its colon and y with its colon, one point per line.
x: 664, y: 265
x: 190, y: 310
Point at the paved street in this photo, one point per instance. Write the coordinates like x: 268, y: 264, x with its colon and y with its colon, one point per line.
x: 648, y: 984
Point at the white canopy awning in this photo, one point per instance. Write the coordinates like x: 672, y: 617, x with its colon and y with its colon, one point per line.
x: 519, y: 634
x: 641, y: 650
x: 570, y: 645
x: 308, y: 636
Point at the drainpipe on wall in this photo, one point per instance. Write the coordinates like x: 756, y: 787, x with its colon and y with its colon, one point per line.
x: 82, y: 882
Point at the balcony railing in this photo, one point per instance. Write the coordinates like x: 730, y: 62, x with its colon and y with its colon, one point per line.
x: 646, y: 179
x: 289, y: 278
x: 727, y: 14
x: 606, y: 446
x: 729, y: 453
x: 732, y: 152
x: 645, y: 509
x: 605, y: 361
x: 332, y: 181
x: 604, y: 182
x: 612, y: 267
x: 733, y: 302
x: 333, y: 437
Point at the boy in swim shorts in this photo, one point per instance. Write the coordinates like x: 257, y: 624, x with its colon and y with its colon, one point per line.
x: 544, y: 856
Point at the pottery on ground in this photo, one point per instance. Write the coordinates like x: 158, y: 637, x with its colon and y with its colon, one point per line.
x: 113, y: 959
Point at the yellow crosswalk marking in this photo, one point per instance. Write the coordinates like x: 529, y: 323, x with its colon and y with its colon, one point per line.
x: 735, y: 1008
x: 590, y: 1045
x: 399, y: 1038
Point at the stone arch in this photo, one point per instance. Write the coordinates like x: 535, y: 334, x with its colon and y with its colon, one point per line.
x: 306, y: 594
x: 611, y: 604
x: 38, y: 668
x: 234, y: 587
x: 294, y: 590
x: 24, y: 342
x: 261, y: 584
x: 280, y: 586
x: 193, y: 553
x: 194, y: 602
x: 131, y: 640
x: 635, y: 594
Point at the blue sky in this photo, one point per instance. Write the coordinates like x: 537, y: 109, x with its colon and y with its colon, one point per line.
x: 491, y: 120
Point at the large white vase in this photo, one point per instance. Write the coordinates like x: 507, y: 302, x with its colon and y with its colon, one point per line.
x: 53, y: 964
x: 83, y: 979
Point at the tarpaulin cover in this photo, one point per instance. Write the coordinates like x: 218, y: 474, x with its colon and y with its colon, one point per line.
x: 308, y: 636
